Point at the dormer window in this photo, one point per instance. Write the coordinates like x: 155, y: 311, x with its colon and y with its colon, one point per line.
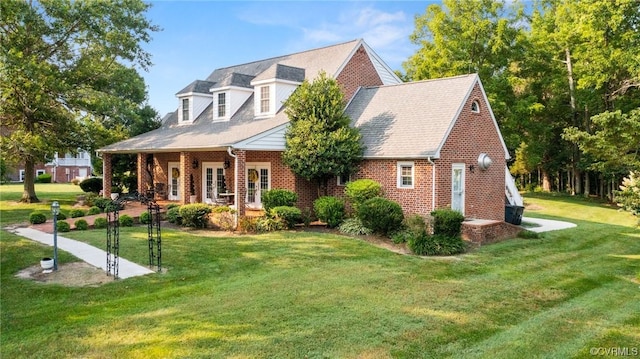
x: 185, y: 109
x: 264, y: 99
x: 222, y: 104
x: 475, y: 106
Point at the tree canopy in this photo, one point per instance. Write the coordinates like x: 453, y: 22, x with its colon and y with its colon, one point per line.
x: 67, y: 68
x: 320, y: 143
x: 550, y: 69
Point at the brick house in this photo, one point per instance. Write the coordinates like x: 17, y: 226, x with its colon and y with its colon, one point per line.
x: 63, y: 169
x: 429, y: 143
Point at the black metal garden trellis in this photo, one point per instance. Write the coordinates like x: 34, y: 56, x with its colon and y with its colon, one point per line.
x: 154, y: 232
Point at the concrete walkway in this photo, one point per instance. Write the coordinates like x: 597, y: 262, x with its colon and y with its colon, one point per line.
x: 546, y: 225
x: 90, y: 254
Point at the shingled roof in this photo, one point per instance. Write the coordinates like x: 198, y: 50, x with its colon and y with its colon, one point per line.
x: 409, y: 120
x: 204, y: 134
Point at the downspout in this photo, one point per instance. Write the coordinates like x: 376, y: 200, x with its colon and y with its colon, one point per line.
x: 235, y: 186
x: 433, y: 183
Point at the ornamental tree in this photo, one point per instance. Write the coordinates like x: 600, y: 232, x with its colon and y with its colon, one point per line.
x: 320, y: 143
x: 65, y: 63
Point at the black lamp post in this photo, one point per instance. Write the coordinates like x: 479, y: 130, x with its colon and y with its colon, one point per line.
x: 55, y: 210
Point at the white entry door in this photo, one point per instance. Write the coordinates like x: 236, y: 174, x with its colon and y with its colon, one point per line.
x: 213, y: 181
x: 174, y: 181
x: 258, y: 180
x: 457, y: 187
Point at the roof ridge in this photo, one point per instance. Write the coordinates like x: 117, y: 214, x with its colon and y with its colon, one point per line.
x: 423, y: 81
x: 286, y: 55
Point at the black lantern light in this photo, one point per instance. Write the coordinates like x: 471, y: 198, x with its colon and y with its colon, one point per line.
x: 194, y: 164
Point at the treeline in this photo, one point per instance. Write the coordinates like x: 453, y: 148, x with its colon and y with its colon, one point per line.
x: 562, y: 78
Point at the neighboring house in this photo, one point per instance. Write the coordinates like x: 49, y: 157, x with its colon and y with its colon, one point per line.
x: 62, y: 169
x: 424, y: 139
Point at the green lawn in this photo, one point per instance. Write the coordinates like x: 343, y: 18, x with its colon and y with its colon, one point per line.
x: 310, y: 295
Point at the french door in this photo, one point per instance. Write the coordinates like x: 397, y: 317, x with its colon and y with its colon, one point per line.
x: 258, y: 179
x: 457, y: 187
x: 213, y: 181
x: 174, y: 181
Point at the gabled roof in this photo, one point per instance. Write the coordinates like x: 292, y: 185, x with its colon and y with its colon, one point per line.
x: 410, y: 120
x: 282, y: 72
x: 205, y: 134
x: 197, y: 86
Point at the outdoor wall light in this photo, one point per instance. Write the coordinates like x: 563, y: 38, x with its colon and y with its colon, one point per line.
x: 226, y: 164
x: 472, y: 168
x: 194, y: 164
x: 484, y: 161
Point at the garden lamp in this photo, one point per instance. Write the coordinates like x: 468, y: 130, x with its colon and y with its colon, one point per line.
x: 55, y: 210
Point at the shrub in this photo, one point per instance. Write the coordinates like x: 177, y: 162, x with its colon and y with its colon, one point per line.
x: 307, y: 216
x: 289, y: 215
x: 90, y: 198
x: 145, y: 217
x: 94, y: 210
x: 628, y: 198
x: 414, y: 227
x: 383, y: 216
x: 361, y: 190
x: 447, y: 222
x: 37, y: 218
x: 75, y: 181
x: 194, y: 215
x: 354, y: 227
x: 91, y: 184
x: 101, y: 203
x: 248, y: 224
x: 99, y: 223
x: 64, y: 226
x: 77, y: 212
x: 61, y: 216
x: 436, y: 245
x: 126, y: 220
x: 268, y: 224
x: 276, y: 198
x: 82, y: 224
x: 329, y: 210
x: 173, y: 215
x: 43, y: 178
x: 172, y: 205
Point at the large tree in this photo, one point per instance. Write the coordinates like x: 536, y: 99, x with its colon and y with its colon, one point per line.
x: 65, y: 63
x: 320, y: 142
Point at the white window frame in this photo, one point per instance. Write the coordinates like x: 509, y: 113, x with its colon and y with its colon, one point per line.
x: 21, y: 175
x: 342, y: 183
x: 257, y: 166
x: 186, y: 110
x: 475, y: 104
x: 225, y: 105
x: 265, y: 99
x: 399, y: 166
x: 40, y: 172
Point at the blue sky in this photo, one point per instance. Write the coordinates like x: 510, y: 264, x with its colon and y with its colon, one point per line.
x: 200, y: 36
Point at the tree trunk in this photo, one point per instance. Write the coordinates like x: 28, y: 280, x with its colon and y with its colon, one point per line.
x: 29, y: 193
x: 587, y: 184
x: 546, y: 183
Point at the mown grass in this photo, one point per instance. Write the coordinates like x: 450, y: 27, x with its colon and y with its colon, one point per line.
x: 12, y: 211
x: 302, y: 294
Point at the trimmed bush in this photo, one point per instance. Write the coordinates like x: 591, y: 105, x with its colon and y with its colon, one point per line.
x: 289, y: 215
x: 268, y: 224
x: 361, y: 190
x: 99, y: 223
x: 64, y: 226
x: 37, y: 218
x: 101, y: 203
x: 447, y: 222
x: 276, y: 198
x: 94, y: 210
x: 248, y: 224
x: 43, y: 178
x: 172, y: 205
x: 145, y: 217
x: 91, y: 184
x: 436, y: 245
x: 126, y: 220
x: 61, y: 216
x: 77, y: 212
x: 82, y: 225
x: 383, y: 216
x: 354, y: 227
x: 194, y: 215
x: 329, y: 210
x: 173, y: 215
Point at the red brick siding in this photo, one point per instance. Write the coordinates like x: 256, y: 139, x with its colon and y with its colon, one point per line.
x: 473, y: 134
x: 359, y: 71
x: 413, y: 200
